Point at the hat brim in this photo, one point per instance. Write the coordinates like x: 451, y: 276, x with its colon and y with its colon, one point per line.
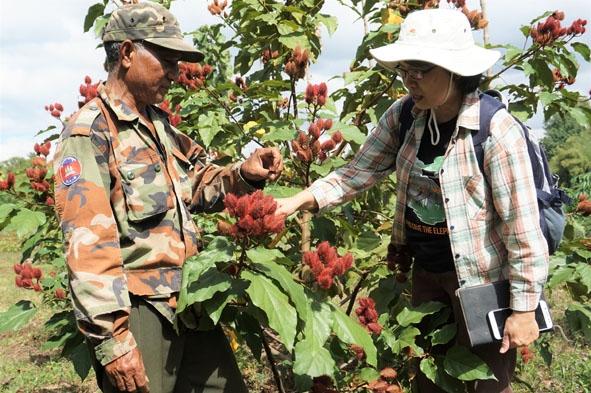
x: 464, y: 62
x: 188, y: 52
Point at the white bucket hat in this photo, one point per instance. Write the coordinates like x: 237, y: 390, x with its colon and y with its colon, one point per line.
x: 438, y: 36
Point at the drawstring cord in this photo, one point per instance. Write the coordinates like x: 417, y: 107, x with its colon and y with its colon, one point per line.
x: 432, y: 123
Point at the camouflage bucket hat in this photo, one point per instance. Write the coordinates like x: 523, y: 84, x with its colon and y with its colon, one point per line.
x: 152, y: 23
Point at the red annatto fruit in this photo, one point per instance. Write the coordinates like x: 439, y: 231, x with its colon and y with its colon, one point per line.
x: 233, y: 270
x: 10, y: 180
x: 3, y: 185
x: 37, y: 287
x: 37, y: 273
x: 18, y: 268
x: 60, y: 294
x: 87, y: 80
x: 18, y: 281
x: 337, y: 137
x: 388, y: 373
x: 358, y: 350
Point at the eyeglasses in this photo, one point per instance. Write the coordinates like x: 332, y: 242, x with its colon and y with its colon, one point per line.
x: 414, y: 73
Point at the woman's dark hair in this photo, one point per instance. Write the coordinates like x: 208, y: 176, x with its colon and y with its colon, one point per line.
x: 467, y: 84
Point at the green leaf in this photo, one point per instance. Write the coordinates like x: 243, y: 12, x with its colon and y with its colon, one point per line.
x: 350, y: 332
x: 17, y: 316
x: 319, y: 321
x: 94, y: 11
x: 412, y: 315
x: 437, y: 374
x: 461, y: 363
x: 330, y: 22
x: 268, y: 297
x: 282, y: 276
x: 27, y: 222
x: 444, y: 335
x: 578, y: 316
x: 401, y: 339
x: 312, y: 360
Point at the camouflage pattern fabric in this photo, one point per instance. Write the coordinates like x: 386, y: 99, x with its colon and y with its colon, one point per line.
x: 124, y: 198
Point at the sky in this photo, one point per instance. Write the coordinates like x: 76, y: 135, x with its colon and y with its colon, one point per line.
x: 45, y: 55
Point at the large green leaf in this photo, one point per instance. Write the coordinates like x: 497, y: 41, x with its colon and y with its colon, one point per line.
x: 280, y: 313
x: 312, y: 360
x: 17, y: 316
x: 27, y: 222
x: 400, y: 339
x: 351, y: 332
x: 436, y: 373
x: 319, y: 322
x: 412, y: 315
x: 462, y: 364
x: 281, y: 275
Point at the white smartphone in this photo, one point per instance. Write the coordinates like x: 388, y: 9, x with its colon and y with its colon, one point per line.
x: 497, y: 318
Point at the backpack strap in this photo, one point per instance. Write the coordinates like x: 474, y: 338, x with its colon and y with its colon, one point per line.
x: 406, y: 119
x: 489, y: 105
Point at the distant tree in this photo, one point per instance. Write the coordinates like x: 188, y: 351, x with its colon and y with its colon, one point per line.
x: 572, y: 158
x: 14, y: 164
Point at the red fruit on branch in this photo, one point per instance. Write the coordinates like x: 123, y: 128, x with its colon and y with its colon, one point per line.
x: 60, y: 294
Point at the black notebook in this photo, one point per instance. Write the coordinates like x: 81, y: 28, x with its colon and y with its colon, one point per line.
x: 476, y: 303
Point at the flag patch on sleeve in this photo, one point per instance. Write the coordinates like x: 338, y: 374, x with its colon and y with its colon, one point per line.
x: 70, y: 170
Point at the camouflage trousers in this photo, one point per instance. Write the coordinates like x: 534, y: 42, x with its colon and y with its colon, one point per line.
x: 192, y: 362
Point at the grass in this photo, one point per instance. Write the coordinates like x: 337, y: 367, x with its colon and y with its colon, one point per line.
x: 25, y: 367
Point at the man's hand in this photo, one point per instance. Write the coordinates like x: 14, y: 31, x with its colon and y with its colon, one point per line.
x: 128, y: 373
x: 521, y: 329
x: 263, y: 164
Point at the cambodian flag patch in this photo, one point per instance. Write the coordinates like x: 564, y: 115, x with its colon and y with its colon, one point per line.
x: 70, y: 170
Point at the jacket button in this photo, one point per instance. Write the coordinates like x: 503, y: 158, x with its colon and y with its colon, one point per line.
x: 157, y: 168
x: 130, y: 175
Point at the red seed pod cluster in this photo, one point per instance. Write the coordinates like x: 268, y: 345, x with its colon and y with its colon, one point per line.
x: 399, y: 260
x: 383, y: 386
x: 255, y: 214
x: 175, y: 118
x: 316, y: 94
x: 325, y: 263
x: 526, y: 354
x: 38, y: 171
x: 358, y: 351
x: 241, y: 83
x: 298, y: 63
x: 405, y: 7
x: 87, y: 91
x: 55, y: 109
x: 584, y: 206
x: 218, y: 8
x: 268, y: 55
x: 322, y: 384
x: 475, y: 17
x: 307, y: 147
x: 368, y: 316
x: 192, y: 75
x: 545, y: 33
x: 8, y: 183
x: 27, y: 276
x: 560, y: 80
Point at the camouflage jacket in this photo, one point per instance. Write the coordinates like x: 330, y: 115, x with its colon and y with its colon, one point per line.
x: 123, y: 199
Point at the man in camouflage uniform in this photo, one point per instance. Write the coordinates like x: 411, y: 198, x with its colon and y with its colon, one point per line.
x: 126, y: 185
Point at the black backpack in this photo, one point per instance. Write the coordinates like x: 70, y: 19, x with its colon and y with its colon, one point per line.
x: 550, y: 198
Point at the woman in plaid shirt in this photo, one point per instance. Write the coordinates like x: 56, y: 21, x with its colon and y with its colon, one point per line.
x: 461, y: 227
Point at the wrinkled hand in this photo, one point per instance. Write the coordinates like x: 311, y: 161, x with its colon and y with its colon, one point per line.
x: 263, y: 164
x: 521, y: 329
x: 128, y: 373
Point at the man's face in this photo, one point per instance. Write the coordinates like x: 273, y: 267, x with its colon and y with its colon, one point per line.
x: 152, y: 71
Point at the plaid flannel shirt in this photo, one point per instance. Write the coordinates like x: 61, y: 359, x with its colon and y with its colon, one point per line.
x: 493, y: 229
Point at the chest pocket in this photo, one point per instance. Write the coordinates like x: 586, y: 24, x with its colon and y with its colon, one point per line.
x: 476, y: 197
x: 185, y: 171
x: 147, y: 191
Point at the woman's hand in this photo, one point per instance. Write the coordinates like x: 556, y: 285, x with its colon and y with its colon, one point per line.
x: 521, y: 329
